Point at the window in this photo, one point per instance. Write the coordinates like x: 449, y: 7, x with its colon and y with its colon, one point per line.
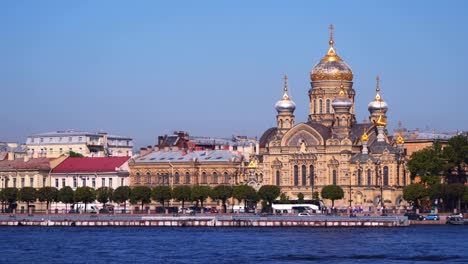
x: 296, y: 175
x: 137, y: 178
x: 148, y: 178
x: 14, y: 182
x: 84, y: 182
x: 328, y: 106
x: 312, y: 175
x: 187, y: 178
x: 226, y: 178
x: 215, y: 178
x: 74, y: 182
x: 50, y: 139
x: 176, y: 178
x: 93, y: 182
x: 61, y: 150
x: 320, y: 106
x: 335, y: 176
x: 369, y: 177
x: 385, y: 176
x: 204, y: 179
x: 278, y: 178
x: 56, y: 183
x: 42, y: 140
x: 359, y: 177
x: 50, y: 150
x: 22, y: 182
x: 69, y: 139
x: 43, y: 181
x: 63, y: 182
x: 304, y: 175
x: 315, y: 106
x: 121, y: 181
x: 6, y: 182
x: 31, y: 182
x: 80, y: 139
x: 60, y: 139
x: 103, y: 182
x: 110, y: 182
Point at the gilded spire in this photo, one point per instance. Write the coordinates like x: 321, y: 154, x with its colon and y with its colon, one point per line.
x: 331, y: 35
x: 342, y: 92
x: 285, y: 87
x: 364, y: 136
x: 377, y: 89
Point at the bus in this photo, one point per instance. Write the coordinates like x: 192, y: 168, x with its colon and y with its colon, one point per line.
x: 293, y: 206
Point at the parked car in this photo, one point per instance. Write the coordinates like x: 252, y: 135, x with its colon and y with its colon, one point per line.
x: 414, y: 216
x: 213, y: 210
x: 304, y: 214
x: 432, y: 217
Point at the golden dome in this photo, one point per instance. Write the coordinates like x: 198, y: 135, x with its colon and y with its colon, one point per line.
x: 400, y: 140
x: 382, y: 121
x: 365, y: 137
x: 331, y: 66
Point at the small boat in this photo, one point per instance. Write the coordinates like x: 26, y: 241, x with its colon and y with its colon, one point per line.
x: 456, y: 220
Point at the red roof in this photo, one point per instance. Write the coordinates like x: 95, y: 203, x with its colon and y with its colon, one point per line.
x: 20, y: 164
x: 107, y: 164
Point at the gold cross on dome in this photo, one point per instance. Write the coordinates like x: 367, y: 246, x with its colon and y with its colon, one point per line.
x: 331, y: 27
x: 285, y: 78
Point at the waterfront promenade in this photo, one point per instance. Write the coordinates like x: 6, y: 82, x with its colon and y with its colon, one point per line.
x: 202, y: 220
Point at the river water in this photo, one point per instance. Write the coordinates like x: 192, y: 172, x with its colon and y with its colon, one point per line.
x: 414, y: 244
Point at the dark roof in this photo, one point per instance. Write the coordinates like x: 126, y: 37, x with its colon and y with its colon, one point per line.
x: 324, y: 131
x: 20, y: 164
x: 379, y: 147
x: 362, y: 158
x: 98, y: 164
x: 357, y: 130
x: 267, y: 136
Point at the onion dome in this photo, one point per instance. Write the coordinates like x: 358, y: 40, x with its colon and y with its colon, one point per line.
x: 364, y: 137
x: 331, y: 66
x: 378, y: 105
x: 285, y: 104
x: 400, y: 140
x: 342, y: 101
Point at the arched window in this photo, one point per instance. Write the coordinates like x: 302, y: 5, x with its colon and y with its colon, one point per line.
x: 398, y: 175
x: 304, y: 175
x: 359, y: 177
x: 404, y: 177
x: 226, y: 178
x: 137, y: 178
x: 187, y: 178
x: 296, y: 175
x: 315, y: 106
x: 215, y: 178
x: 369, y: 177
x: 320, y: 106
x: 328, y: 106
x: 148, y: 178
x: 278, y: 178
x: 311, y: 175
x: 385, y: 176
x: 176, y: 178
x: 204, y: 179
x: 160, y: 179
x: 335, y: 176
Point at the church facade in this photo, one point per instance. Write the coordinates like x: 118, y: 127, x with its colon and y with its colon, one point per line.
x: 331, y: 147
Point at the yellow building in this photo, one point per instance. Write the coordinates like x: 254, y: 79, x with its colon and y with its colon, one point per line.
x: 331, y: 147
x: 92, y: 144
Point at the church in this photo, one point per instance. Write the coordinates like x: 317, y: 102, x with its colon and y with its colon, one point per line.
x: 331, y: 147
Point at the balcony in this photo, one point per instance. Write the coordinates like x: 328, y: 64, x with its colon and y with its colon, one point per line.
x: 95, y: 143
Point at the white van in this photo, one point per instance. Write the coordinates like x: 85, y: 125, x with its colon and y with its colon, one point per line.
x: 238, y: 208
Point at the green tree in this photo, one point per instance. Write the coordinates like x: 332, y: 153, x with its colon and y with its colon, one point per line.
x: 48, y: 195
x: 438, y: 192
x: 222, y: 193
x: 300, y: 197
x: 161, y: 194
x: 283, y: 198
x: 73, y: 154
x: 27, y: 195
x: 414, y: 193
x: 85, y: 195
x: 104, y: 195
x: 269, y: 193
x: 140, y: 194
x: 66, y: 195
x: 455, y: 193
x: 427, y: 162
x: 182, y: 194
x: 200, y: 193
x: 245, y: 193
x: 456, y: 153
x: 121, y: 195
x: 315, y: 195
x: 10, y: 195
x: 332, y: 192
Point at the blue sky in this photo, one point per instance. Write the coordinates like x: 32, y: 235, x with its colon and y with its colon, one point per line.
x: 214, y: 68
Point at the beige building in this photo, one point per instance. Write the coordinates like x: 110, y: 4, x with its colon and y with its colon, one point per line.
x: 89, y: 144
x: 331, y: 147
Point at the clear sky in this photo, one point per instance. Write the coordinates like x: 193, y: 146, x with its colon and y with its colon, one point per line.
x: 214, y: 68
